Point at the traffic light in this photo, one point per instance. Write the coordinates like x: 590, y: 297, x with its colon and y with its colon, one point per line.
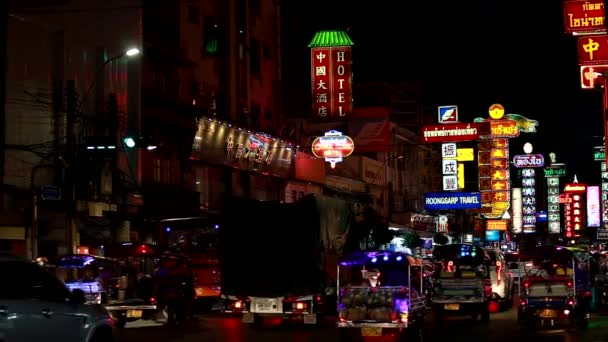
x: 131, y: 142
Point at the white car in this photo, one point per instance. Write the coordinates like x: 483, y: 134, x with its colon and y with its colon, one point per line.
x: 36, y: 306
x: 502, y: 279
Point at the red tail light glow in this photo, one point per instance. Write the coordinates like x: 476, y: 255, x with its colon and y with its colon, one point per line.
x: 152, y: 300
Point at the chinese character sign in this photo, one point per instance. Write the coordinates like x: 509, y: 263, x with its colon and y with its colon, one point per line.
x: 528, y: 193
x: 494, y: 183
x: 574, y: 209
x: 517, y: 209
x: 331, y: 83
x: 593, y: 50
x: 449, y: 166
x: 553, y: 214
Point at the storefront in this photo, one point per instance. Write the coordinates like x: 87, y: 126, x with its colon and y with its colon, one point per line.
x: 309, y: 176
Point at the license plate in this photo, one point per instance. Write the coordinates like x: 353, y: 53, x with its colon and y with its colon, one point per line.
x: 548, y: 313
x: 310, y: 319
x: 134, y: 313
x: 248, y: 317
x: 371, y: 331
x: 452, y: 307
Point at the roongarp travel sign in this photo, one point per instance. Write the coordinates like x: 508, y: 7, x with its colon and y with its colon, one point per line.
x: 452, y: 200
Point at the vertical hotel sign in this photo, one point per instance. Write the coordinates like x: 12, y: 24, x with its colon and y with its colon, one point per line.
x: 331, y: 62
x: 493, y: 161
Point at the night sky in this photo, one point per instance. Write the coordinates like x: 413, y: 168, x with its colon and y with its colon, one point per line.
x: 473, y: 54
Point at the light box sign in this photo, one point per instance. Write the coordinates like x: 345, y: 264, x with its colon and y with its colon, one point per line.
x: 331, y: 75
x: 450, y: 132
x: 492, y: 235
x: 593, y: 50
x: 528, y: 160
x: 593, y: 206
x: 584, y: 16
x: 590, y: 75
x: 452, y: 200
x: 216, y: 142
x: 333, y: 147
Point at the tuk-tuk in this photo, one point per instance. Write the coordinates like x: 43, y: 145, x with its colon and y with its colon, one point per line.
x: 380, y: 293
x: 167, y: 276
x: 108, y: 282
x: 462, y: 282
x: 556, y: 288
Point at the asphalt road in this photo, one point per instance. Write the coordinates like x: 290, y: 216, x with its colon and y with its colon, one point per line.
x: 502, y: 327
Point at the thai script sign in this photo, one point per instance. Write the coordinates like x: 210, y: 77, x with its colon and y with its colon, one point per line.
x: 593, y: 50
x: 452, y: 200
x: 333, y: 147
x: 450, y: 132
x: 501, y: 128
x: 584, y: 16
x: 529, y: 160
x: 556, y: 170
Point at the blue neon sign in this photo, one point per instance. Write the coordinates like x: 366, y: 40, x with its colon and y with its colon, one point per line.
x: 452, y: 200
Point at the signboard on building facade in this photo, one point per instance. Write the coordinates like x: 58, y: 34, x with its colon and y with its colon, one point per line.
x: 593, y: 50
x: 493, y: 162
x: 447, y: 114
x: 584, y: 16
x: 331, y: 75
x: 333, y: 147
x: 590, y: 75
x: 450, y: 132
x: 528, y: 160
x: 217, y: 143
x: 451, y: 200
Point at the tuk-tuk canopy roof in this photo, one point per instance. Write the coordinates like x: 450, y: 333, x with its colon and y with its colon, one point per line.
x: 365, y: 257
x: 464, y: 253
x: 547, y: 253
x: 79, y: 260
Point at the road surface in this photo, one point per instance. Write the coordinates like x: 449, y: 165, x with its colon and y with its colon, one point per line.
x: 502, y: 327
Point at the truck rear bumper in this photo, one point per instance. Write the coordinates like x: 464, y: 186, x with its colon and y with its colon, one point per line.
x: 250, y: 317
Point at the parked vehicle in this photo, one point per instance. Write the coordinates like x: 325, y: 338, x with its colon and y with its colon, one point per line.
x: 557, y: 288
x: 462, y: 282
x: 502, y: 279
x: 36, y: 306
x: 380, y: 293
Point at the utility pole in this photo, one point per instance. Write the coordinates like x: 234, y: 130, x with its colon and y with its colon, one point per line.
x: 69, y: 184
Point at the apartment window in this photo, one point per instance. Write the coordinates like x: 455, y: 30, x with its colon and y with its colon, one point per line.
x: 194, y: 14
x: 211, y: 37
x: 254, y: 59
x: 266, y: 52
x: 255, y: 7
x: 157, y: 170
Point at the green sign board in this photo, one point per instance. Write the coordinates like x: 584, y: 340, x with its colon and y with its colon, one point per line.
x: 555, y: 171
x: 599, y: 153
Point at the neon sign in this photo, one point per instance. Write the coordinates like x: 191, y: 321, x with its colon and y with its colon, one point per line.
x: 333, y: 147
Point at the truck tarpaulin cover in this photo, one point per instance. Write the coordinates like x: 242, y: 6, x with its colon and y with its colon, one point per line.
x: 271, y: 249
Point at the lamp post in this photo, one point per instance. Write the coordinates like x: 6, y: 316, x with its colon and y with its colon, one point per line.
x: 70, y: 150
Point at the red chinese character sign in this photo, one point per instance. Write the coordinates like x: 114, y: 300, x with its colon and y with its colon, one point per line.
x: 331, y: 78
x: 574, y: 208
x: 333, y: 147
x: 590, y: 75
x: 493, y: 160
